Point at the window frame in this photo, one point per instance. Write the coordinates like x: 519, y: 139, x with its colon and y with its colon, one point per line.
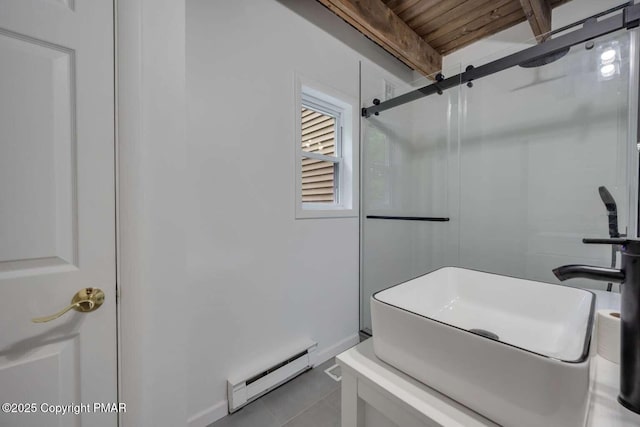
x: 326, y: 100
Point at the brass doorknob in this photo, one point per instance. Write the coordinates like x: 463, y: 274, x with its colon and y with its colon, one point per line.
x: 84, y: 301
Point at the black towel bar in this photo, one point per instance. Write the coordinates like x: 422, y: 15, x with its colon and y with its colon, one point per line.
x: 410, y: 218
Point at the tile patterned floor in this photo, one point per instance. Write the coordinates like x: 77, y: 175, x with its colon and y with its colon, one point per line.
x: 309, y: 400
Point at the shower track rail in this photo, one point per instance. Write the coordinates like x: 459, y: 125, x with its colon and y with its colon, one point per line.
x: 592, y: 28
x: 410, y: 218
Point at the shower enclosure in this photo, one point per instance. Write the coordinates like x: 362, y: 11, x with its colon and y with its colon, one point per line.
x: 502, y: 174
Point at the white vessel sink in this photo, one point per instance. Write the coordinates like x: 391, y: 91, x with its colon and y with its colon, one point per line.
x: 513, y: 350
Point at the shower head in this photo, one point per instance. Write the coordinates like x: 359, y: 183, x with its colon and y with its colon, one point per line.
x: 545, y: 59
x: 607, y: 199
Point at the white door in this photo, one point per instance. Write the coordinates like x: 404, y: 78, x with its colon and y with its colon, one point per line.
x: 57, y: 211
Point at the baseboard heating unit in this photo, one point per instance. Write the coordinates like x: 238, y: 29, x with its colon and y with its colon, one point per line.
x: 256, y: 381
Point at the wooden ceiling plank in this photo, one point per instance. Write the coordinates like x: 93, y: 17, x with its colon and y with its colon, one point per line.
x: 438, y: 9
x: 400, y: 6
x: 418, y: 9
x: 538, y: 13
x: 505, y: 7
x: 492, y: 28
x: 466, y: 11
x: 374, y: 19
x: 500, y: 12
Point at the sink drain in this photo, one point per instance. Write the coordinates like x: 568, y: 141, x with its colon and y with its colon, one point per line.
x: 485, y: 334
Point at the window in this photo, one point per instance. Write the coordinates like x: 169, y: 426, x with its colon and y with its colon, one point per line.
x: 324, y: 154
x: 321, y: 154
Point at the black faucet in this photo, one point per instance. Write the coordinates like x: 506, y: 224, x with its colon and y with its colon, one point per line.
x: 629, y: 277
x: 612, y: 213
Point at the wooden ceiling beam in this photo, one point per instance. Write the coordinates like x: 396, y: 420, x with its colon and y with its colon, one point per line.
x: 378, y: 22
x: 538, y: 13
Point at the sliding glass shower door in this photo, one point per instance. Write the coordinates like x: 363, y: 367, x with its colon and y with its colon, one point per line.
x: 409, y: 156
x: 540, y: 149
x: 506, y: 175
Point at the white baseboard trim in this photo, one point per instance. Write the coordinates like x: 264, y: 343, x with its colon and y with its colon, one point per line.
x: 209, y: 415
x: 337, y: 348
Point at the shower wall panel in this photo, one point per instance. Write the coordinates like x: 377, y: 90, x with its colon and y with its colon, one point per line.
x: 515, y: 162
x: 536, y: 144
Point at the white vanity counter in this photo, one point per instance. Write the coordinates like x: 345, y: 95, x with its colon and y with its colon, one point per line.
x: 371, y: 388
x: 604, y: 409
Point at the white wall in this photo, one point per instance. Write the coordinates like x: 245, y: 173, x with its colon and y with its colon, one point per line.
x: 151, y: 212
x: 260, y: 280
